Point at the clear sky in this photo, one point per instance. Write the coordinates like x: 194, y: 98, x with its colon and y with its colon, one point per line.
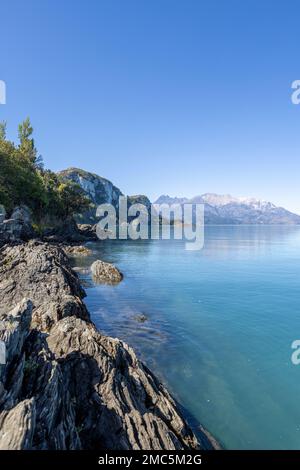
x: 160, y: 96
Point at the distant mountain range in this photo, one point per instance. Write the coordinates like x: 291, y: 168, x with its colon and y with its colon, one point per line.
x: 227, y: 209
x: 219, y: 209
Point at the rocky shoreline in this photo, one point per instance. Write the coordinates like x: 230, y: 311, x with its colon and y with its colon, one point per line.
x: 64, y: 384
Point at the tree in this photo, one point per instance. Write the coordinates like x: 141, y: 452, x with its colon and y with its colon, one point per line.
x: 2, y: 131
x: 23, y: 181
x: 72, y: 199
x: 27, y: 145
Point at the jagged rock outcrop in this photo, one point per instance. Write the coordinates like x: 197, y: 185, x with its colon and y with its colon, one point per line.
x: 65, y: 385
x: 89, y: 231
x: 41, y: 273
x: 17, y: 227
x: 99, y: 190
x: 139, y: 199
x: 140, y: 206
x: 105, y: 272
x: 36, y: 411
x: 66, y: 231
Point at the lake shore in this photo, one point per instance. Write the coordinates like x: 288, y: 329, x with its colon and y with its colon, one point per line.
x: 100, y: 394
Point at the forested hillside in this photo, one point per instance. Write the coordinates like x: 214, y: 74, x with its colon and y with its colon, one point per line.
x: 24, y: 180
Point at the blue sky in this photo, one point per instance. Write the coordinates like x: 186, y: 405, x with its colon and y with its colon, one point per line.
x: 160, y: 96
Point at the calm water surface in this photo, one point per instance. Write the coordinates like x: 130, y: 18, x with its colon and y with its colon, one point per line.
x: 220, y: 326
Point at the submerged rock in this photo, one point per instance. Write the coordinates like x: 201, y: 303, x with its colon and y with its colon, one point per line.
x: 64, y: 384
x: 105, y: 272
x: 140, y: 317
x: 77, y: 250
x: 81, y: 270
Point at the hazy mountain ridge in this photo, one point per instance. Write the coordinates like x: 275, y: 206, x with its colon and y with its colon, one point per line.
x: 227, y: 209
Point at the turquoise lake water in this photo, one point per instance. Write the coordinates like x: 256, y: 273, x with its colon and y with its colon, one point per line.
x: 220, y: 326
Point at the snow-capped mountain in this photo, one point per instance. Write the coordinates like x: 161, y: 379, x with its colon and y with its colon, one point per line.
x: 227, y: 209
x: 165, y: 199
x: 219, y: 200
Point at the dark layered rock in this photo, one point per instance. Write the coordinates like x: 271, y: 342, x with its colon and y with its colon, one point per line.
x: 41, y: 273
x: 17, y: 227
x: 36, y: 410
x: 64, y: 384
x: 65, y: 231
x: 88, y: 231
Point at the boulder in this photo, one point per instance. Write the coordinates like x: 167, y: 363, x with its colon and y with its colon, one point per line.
x: 105, y: 272
x: 18, y: 226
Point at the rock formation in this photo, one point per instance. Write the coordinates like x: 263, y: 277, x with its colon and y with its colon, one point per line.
x: 99, y: 190
x: 105, y: 272
x: 17, y: 226
x: 64, y: 384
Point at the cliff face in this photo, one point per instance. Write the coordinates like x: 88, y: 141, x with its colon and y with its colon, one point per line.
x: 99, y: 190
x: 64, y: 384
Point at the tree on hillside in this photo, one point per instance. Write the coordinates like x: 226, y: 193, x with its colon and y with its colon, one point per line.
x: 27, y: 145
x: 2, y: 131
x: 24, y: 181
x: 72, y: 199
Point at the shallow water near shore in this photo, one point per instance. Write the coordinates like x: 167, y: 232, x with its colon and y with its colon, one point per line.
x: 215, y: 325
